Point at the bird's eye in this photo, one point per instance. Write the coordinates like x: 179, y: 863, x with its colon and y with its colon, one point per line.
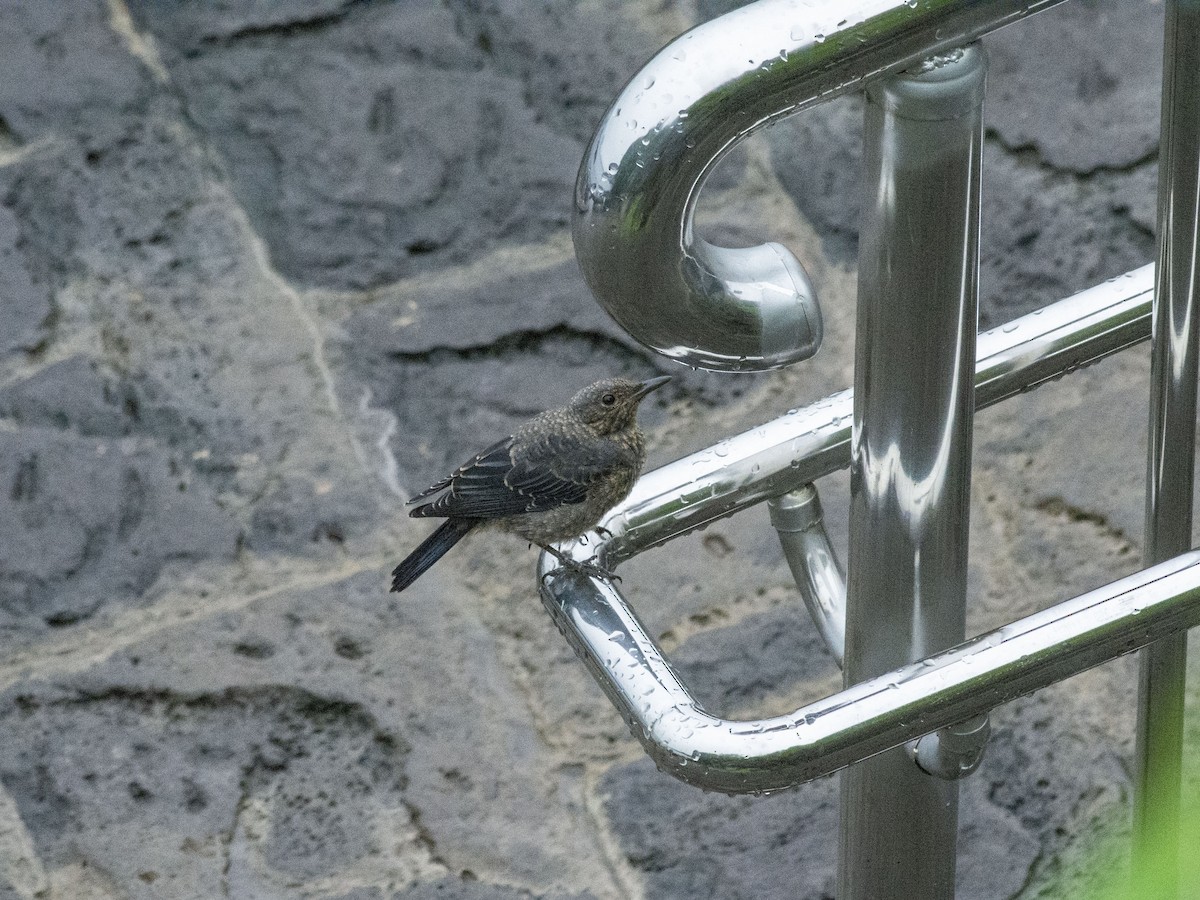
x: 608, y: 399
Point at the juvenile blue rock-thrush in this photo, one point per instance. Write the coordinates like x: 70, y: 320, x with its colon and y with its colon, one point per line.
x: 551, y: 480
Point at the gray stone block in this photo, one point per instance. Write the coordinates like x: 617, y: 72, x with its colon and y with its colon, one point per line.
x: 25, y: 312
x: 93, y: 523
x: 1079, y: 84
x: 371, y: 141
x: 148, y: 784
x: 686, y: 843
x: 65, y: 70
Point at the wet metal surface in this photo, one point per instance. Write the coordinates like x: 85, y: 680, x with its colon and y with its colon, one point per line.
x: 1171, y: 459
x: 793, y: 450
x: 874, y: 715
x: 805, y: 444
x: 910, y: 462
x: 635, y: 197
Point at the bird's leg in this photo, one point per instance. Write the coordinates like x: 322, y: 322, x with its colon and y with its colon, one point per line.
x: 586, y: 567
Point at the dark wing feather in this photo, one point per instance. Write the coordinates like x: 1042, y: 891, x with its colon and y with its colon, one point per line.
x: 555, y: 470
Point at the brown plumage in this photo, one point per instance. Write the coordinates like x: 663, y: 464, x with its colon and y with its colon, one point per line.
x: 551, y: 480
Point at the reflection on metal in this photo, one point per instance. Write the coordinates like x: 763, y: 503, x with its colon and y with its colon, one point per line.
x: 719, y: 308
x: 797, y: 518
x: 909, y: 726
x: 872, y: 716
x: 953, y: 752
x: 910, y: 457
x: 786, y: 454
x: 950, y: 753
x: 808, y: 443
x: 1171, y: 459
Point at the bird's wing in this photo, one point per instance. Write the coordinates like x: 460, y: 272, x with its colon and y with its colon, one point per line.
x: 517, y: 476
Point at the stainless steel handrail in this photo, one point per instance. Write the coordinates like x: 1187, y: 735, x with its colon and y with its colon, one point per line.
x: 910, y: 460
x: 872, y: 716
x: 806, y: 444
x: 1175, y: 359
x: 715, y: 307
x: 797, y: 518
x: 756, y: 309
x: 766, y: 462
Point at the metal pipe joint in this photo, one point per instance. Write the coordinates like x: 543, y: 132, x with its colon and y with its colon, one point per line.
x: 819, y: 576
x: 953, y: 752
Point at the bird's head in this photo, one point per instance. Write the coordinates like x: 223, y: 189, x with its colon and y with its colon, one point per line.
x: 611, y: 405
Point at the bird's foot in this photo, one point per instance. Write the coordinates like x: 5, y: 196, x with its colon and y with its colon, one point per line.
x: 600, y: 531
x: 585, y: 567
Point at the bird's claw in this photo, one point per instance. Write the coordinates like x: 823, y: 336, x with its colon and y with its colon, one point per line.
x: 593, y: 569
x: 585, y: 567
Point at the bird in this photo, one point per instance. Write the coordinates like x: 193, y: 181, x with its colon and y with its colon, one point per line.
x: 552, y: 479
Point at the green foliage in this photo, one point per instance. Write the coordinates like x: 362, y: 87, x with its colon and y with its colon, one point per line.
x: 1097, y: 867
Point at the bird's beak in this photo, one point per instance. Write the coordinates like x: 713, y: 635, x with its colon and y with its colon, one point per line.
x: 651, y: 385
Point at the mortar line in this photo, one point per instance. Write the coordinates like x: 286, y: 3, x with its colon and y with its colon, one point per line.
x: 120, y: 20
x: 74, y: 653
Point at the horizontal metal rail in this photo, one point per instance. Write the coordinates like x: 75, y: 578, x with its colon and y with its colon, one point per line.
x: 872, y: 716
x: 806, y: 444
x: 854, y: 724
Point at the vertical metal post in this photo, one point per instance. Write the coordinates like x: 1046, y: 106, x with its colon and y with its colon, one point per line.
x: 911, y: 451
x: 1169, y: 478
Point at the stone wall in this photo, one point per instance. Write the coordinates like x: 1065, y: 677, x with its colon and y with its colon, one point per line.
x: 267, y: 268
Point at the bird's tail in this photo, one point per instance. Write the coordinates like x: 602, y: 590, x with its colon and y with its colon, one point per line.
x: 430, y: 551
